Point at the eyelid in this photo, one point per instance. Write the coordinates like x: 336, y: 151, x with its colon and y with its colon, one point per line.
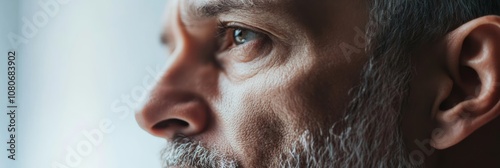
x: 236, y: 25
x: 224, y: 28
x: 246, y: 52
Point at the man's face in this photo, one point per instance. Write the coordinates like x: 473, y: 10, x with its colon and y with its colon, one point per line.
x: 246, y: 80
x: 266, y: 83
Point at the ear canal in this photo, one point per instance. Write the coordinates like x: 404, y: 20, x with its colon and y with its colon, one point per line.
x: 471, y: 83
x: 468, y: 88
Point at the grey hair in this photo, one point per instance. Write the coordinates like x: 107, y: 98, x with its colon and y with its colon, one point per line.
x: 397, y: 28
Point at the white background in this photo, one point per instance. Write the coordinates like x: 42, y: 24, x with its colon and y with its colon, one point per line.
x: 72, y: 75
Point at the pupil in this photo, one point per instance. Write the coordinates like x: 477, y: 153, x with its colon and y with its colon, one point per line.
x: 238, y: 36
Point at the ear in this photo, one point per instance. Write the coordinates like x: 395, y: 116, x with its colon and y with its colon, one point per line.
x: 472, y: 59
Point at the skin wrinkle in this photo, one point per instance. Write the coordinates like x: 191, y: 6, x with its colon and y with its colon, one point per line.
x: 305, y: 104
x: 279, y: 55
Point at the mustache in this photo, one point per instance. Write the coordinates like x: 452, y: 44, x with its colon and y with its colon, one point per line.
x: 184, y: 152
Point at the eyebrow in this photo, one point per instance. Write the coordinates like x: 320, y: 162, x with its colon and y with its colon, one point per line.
x: 213, y: 8
x: 218, y: 7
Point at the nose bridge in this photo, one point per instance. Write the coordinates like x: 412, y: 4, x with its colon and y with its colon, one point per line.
x: 190, y: 61
x: 188, y: 67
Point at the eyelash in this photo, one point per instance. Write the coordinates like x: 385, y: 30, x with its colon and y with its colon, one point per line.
x: 224, y: 37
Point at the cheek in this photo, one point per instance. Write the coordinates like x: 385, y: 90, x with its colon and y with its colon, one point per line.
x: 259, y: 137
x: 317, y: 98
x: 263, y: 115
x: 250, y: 123
x: 259, y: 116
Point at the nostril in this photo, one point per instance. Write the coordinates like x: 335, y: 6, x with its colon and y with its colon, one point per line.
x: 174, y: 113
x: 170, y: 123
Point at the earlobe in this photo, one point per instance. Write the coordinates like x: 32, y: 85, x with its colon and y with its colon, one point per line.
x: 472, y: 60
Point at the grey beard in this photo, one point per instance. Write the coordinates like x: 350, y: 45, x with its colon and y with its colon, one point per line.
x: 347, y: 149
x: 183, y: 152
x: 350, y: 148
x: 369, y: 133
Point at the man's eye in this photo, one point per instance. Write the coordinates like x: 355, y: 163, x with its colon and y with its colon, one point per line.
x: 237, y: 42
x: 242, y: 36
x: 233, y: 36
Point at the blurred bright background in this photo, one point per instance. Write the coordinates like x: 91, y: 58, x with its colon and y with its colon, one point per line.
x: 80, y: 76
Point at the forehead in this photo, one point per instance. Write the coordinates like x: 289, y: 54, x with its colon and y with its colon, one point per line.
x: 208, y: 8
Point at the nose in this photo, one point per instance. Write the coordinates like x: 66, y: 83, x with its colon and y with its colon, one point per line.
x: 172, y: 112
x: 179, y: 104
